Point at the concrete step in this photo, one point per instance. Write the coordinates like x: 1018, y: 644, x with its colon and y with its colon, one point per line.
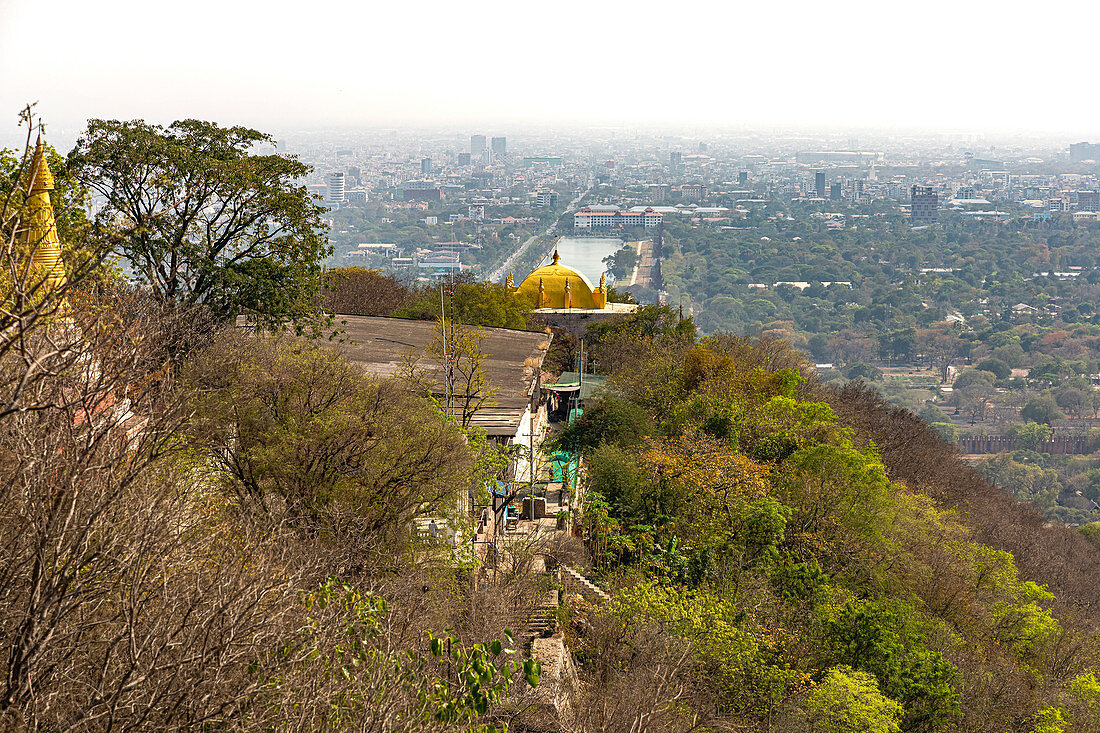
x: 586, y: 583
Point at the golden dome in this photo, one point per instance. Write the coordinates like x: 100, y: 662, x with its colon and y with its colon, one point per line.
x: 558, y: 286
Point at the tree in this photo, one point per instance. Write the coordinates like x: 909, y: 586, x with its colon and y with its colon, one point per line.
x: 124, y: 598
x: 301, y: 436
x: 466, y: 388
x: 358, y: 291
x: 202, y: 219
x: 848, y: 701
x: 1032, y: 436
x: 1041, y: 409
x: 997, y: 367
x: 610, y: 420
x: 863, y: 370
x: 472, y: 303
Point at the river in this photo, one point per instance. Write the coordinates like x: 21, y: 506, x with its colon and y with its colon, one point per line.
x: 586, y: 254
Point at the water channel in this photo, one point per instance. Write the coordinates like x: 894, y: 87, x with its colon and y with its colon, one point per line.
x: 585, y: 254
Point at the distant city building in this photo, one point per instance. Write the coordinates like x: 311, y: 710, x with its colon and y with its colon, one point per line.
x: 675, y: 158
x: 819, y: 184
x: 421, y: 191
x: 813, y: 157
x: 742, y: 179
x: 1084, y: 151
x: 546, y: 198
x: 463, y: 158
x: 924, y: 204
x: 426, y: 167
x: 550, y: 162
x: 334, y: 188
x: 659, y: 191
x: 602, y: 218
x: 1088, y: 200
x: 499, y: 146
x: 693, y: 192
x: 835, y: 191
x: 477, y: 145
x: 358, y: 196
x: 476, y: 210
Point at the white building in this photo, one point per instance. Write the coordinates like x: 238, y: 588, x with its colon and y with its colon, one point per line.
x: 334, y: 189
x: 600, y: 218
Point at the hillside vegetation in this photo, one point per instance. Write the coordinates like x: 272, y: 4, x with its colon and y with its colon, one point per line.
x: 788, y: 557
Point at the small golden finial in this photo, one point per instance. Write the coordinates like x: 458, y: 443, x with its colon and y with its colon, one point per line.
x: 603, y: 281
x: 556, y: 257
x: 568, y: 294
x: 509, y: 281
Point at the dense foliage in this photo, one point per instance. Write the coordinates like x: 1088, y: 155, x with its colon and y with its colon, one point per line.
x: 750, y: 516
x: 201, y: 219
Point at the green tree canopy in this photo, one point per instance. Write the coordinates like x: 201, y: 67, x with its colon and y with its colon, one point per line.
x: 848, y: 701
x: 200, y: 218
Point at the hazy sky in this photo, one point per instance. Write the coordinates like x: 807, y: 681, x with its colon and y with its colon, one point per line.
x: 958, y: 66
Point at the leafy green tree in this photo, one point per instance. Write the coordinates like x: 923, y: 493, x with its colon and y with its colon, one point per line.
x: 200, y: 218
x: 849, y: 701
x: 887, y: 640
x: 975, y: 376
x: 611, y: 420
x: 1042, y: 410
x: 1031, y: 436
x: 863, y: 370
x: 302, y: 436
x: 996, y: 367
x: 947, y: 431
x: 472, y: 303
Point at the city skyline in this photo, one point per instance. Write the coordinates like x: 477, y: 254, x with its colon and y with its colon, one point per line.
x: 933, y: 66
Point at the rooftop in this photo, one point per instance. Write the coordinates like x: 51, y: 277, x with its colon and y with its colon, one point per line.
x: 378, y: 345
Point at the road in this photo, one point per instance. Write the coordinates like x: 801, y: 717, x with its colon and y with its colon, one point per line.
x: 501, y: 272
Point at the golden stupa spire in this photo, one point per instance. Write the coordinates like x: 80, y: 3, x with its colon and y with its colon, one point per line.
x: 39, y: 227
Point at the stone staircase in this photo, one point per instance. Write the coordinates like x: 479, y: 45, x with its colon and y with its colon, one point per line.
x: 542, y: 622
x: 587, y: 586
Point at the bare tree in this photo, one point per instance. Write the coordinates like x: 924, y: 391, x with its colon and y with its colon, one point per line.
x: 458, y: 349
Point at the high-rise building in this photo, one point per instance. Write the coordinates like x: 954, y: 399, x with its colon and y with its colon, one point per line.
x: 819, y: 184
x: 1088, y: 200
x: 675, y: 158
x: 477, y: 146
x: 426, y: 167
x: 835, y: 191
x: 463, y: 158
x: 1084, y: 151
x: 334, y: 188
x: 924, y: 203
x: 500, y: 146
x: 743, y: 178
